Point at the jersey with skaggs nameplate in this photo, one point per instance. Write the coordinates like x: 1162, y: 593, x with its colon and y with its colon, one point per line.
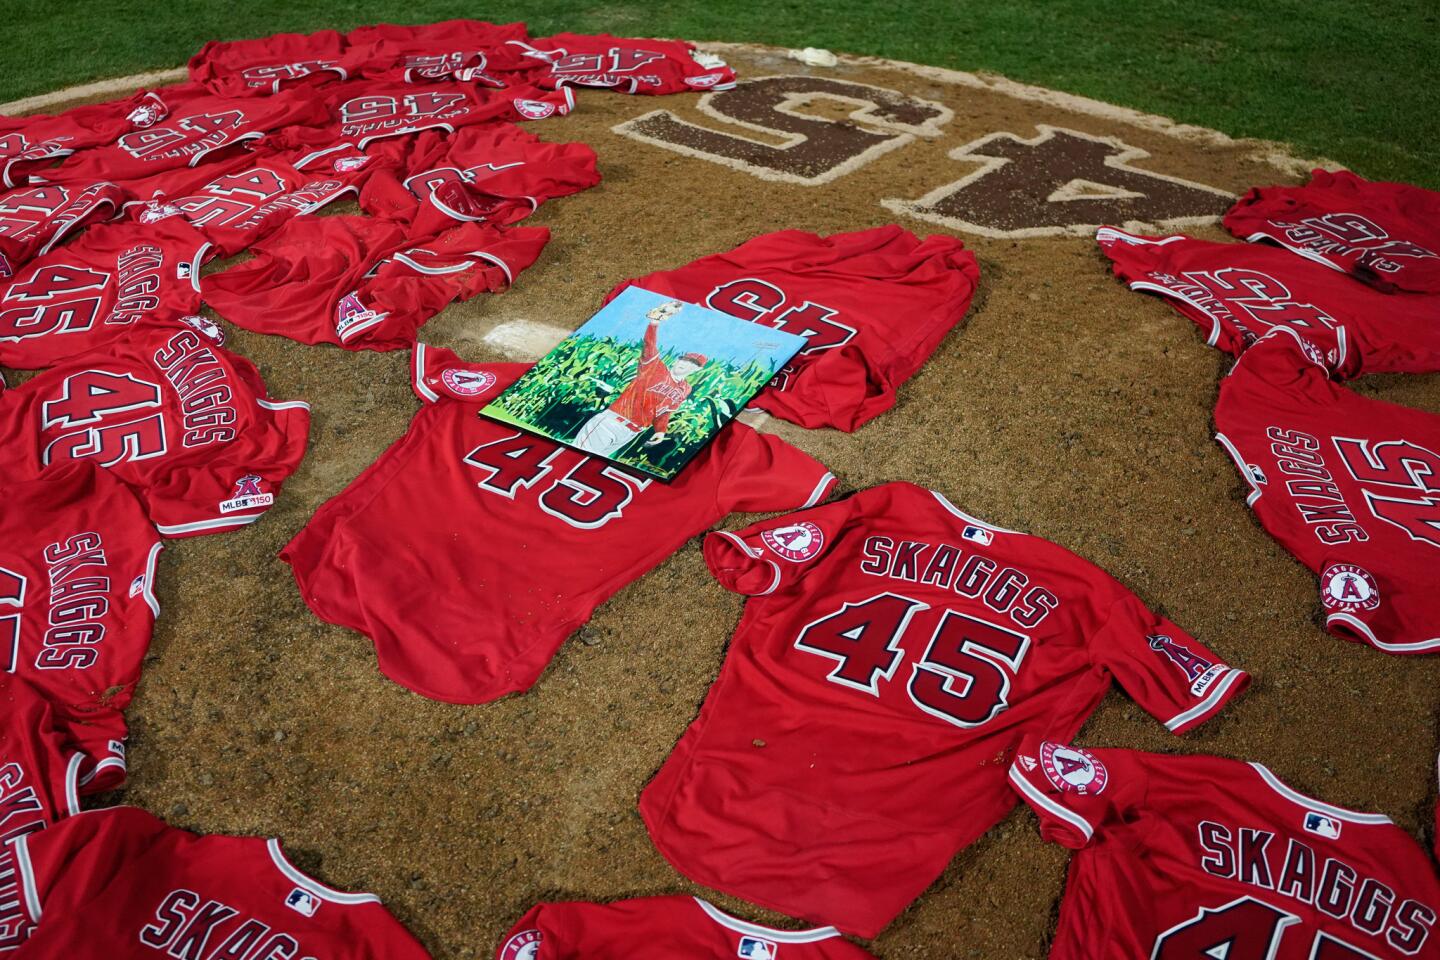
x: 470, y: 550
x: 1350, y: 485
x: 894, y: 653
x: 1204, y: 858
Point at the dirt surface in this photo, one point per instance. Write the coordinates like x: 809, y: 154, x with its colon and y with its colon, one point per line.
x: 1067, y: 406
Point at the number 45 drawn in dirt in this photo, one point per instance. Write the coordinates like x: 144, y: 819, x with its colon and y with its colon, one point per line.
x: 1057, y: 182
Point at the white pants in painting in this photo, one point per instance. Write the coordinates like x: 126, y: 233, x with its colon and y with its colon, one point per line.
x: 605, y: 433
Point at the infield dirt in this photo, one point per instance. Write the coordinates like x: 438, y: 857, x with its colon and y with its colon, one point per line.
x: 1067, y: 406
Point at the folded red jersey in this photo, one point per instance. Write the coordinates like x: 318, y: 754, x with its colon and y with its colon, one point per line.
x: 200, y: 127
x: 41, y: 771
x: 180, y: 420
x: 89, y: 293
x: 77, y: 603
x: 29, y: 144
x: 245, y: 204
x: 873, y: 305
x: 643, y: 66
x: 118, y: 884
x: 240, y: 68
x: 547, y: 534
x: 895, y: 648
x: 37, y: 218
x: 497, y: 173
x: 1188, y: 858
x: 1348, y: 484
x: 661, y: 928
x: 361, y: 112
x: 1386, y: 234
x: 430, y: 52
x: 1237, y: 292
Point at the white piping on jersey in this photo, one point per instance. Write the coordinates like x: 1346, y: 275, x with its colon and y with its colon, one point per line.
x: 418, y: 357
x: 397, y: 133
x: 147, y: 579
x: 757, y: 555
x: 569, y: 98
x: 195, y: 160
x: 311, y: 885
x: 355, y: 328
x: 103, y: 765
x: 195, y: 262
x: 78, y: 221
x: 1305, y: 252
x: 1143, y: 285
x: 27, y: 875
x: 461, y: 266
x: 1255, y: 489
x: 282, y: 404
x: 1033, y: 793
x: 819, y: 491
x: 754, y: 929
x: 316, y: 155
x: 966, y: 517
x: 1414, y: 646
x: 1110, y: 233
x: 1310, y: 803
x: 215, y: 524
x: 72, y: 783
x: 1209, y: 703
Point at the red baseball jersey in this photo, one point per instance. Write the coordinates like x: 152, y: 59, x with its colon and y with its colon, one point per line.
x: 88, y: 294
x: 239, y: 68
x: 239, y: 207
x: 34, y: 219
x: 551, y: 534
x: 496, y: 173
x: 199, y: 126
x: 661, y: 928
x: 361, y: 112
x: 895, y: 647
x: 1348, y: 484
x: 77, y: 603
x: 28, y: 144
x: 1196, y: 858
x: 644, y: 66
x: 1386, y: 234
x: 1236, y: 292
x: 182, y: 421
x: 118, y: 884
x: 360, y: 283
x: 655, y: 393
x: 873, y: 305
x: 431, y: 52
x: 41, y: 771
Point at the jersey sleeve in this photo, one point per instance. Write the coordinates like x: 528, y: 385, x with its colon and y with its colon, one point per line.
x: 1077, y: 793
x: 770, y: 555
x: 539, y: 935
x: 763, y: 472
x: 1165, y: 670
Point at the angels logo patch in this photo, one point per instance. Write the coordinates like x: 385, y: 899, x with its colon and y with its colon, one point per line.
x: 534, y: 109
x: 1347, y: 588
x: 248, y: 495
x: 466, y: 383
x: 796, y: 543
x: 525, y: 945
x: 704, y: 80
x: 350, y: 164
x: 1073, y: 770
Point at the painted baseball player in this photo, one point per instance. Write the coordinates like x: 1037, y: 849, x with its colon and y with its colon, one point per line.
x: 656, y: 392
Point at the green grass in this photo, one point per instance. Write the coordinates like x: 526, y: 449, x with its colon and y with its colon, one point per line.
x: 1353, y: 80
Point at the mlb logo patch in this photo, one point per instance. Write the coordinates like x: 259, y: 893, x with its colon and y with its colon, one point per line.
x: 302, y: 901
x: 977, y: 535
x: 1321, y: 825
x: 753, y: 948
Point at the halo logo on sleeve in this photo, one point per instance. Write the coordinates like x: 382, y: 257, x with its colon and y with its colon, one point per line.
x: 1201, y: 672
x: 302, y: 902
x: 1322, y: 825
x: 525, y: 945
x: 1347, y: 588
x: 467, y: 383
x: 1073, y: 770
x: 753, y: 948
x: 248, y: 495
x: 534, y: 109
x: 796, y: 543
x: 354, y: 316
